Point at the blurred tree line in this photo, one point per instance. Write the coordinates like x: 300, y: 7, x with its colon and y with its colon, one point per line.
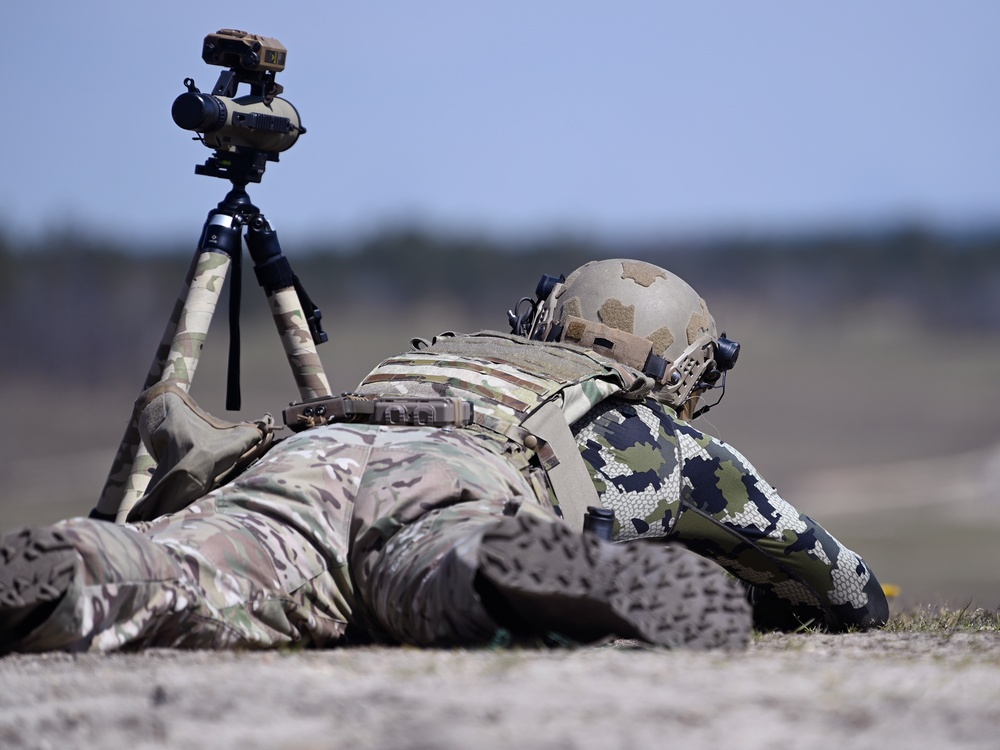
x: 82, y: 304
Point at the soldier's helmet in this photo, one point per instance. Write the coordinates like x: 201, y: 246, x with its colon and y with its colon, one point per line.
x: 642, y: 316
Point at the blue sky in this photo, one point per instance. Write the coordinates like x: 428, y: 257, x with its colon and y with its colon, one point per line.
x: 517, y: 117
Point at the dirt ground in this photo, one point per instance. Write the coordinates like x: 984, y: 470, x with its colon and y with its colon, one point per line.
x: 861, y: 691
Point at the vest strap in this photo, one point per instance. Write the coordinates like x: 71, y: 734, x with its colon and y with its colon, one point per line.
x: 571, y: 482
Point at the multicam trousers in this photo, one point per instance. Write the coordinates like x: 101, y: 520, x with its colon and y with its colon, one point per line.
x: 300, y: 547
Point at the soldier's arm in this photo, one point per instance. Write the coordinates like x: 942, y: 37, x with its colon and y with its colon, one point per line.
x: 666, y: 479
x: 797, y: 573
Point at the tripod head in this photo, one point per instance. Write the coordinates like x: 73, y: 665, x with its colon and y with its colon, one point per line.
x: 248, y: 131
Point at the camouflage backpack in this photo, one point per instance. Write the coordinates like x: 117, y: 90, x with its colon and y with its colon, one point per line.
x: 525, y: 396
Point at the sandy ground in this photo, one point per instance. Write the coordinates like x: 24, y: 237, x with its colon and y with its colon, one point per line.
x: 879, y: 690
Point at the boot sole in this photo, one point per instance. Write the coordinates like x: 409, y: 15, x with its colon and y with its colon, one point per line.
x: 576, y: 585
x: 37, y: 566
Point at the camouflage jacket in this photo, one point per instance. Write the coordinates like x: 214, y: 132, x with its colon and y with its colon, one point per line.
x: 666, y: 479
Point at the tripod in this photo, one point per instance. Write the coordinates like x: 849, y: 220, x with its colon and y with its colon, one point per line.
x: 176, y: 358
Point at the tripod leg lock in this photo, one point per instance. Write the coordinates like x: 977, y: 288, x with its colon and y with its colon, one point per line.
x: 274, y: 272
x: 222, y: 235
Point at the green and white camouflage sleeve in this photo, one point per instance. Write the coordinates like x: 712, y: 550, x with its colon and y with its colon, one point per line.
x: 666, y: 479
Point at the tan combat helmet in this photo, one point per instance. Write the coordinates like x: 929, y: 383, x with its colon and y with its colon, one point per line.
x: 642, y: 316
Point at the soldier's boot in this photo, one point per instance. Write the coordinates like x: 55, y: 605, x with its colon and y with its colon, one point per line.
x: 570, y: 583
x: 37, y: 566
x: 195, y: 452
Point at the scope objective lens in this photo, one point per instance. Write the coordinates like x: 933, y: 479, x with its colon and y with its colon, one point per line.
x: 200, y: 112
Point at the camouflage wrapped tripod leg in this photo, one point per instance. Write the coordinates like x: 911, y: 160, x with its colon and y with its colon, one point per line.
x: 176, y: 360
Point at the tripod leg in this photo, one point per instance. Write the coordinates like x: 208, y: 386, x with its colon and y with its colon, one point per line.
x: 297, y: 339
x: 176, y: 360
x: 274, y: 274
x: 180, y: 347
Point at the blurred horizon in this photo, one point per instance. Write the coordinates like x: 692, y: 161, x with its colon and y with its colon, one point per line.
x: 64, y: 297
x: 105, y: 238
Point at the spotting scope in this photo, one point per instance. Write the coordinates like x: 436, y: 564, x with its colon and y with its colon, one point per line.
x: 245, y: 131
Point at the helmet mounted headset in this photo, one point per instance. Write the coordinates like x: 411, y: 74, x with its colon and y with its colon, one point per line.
x: 639, y: 315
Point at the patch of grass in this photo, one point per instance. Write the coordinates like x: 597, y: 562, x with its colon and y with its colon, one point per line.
x: 945, y: 621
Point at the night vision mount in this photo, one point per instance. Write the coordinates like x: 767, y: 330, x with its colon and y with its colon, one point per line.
x: 247, y: 131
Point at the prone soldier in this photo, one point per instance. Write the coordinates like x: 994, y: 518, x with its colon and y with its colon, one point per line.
x: 457, y: 515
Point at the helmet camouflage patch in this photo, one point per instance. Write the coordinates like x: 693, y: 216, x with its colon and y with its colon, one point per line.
x: 639, y: 298
x: 644, y: 303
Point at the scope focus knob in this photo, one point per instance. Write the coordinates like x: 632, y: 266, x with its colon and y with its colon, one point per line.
x: 201, y: 112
